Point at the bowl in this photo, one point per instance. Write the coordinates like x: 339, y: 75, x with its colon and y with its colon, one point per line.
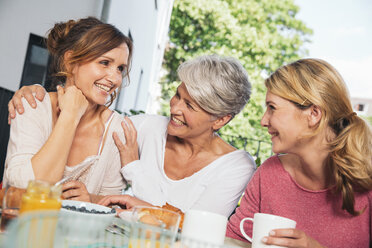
x: 84, y: 220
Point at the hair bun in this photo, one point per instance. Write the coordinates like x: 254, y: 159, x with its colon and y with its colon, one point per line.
x: 58, y: 34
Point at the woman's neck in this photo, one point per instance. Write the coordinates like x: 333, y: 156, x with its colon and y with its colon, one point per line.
x: 309, y: 165
x: 209, y: 143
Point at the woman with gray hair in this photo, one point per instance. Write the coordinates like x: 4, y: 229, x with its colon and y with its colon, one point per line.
x: 181, y: 161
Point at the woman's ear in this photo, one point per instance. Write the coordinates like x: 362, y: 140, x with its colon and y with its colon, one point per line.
x: 314, y: 116
x: 66, y: 60
x: 221, y: 121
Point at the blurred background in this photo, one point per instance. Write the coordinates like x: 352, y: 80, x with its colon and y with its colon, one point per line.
x: 262, y: 34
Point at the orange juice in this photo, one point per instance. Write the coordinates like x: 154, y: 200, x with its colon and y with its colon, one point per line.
x: 146, y: 243
x: 41, y: 196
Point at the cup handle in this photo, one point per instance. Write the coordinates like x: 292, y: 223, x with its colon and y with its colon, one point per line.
x: 242, y: 228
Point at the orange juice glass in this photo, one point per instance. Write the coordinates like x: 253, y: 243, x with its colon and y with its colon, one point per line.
x: 41, y: 195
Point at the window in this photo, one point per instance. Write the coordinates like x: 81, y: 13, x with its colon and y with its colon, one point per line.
x: 36, y: 63
x: 130, y: 36
x: 138, y: 90
x: 360, y: 107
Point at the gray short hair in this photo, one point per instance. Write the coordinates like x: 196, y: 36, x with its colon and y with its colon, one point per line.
x: 218, y: 84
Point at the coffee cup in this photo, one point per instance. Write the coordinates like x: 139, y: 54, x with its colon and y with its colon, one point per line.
x: 262, y: 225
x: 204, y: 227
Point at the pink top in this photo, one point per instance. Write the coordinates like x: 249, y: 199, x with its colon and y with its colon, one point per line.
x: 318, y: 213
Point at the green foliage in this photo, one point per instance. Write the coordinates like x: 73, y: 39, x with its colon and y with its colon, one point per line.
x: 368, y: 119
x: 262, y: 34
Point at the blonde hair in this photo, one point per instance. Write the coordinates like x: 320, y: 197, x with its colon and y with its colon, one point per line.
x: 309, y: 82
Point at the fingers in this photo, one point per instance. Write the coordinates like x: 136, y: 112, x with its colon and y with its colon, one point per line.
x: 118, y: 142
x: 128, y: 127
x: 114, y: 200
x: 40, y: 92
x: 285, y: 242
x: 286, y: 232
x: 27, y: 93
x: 75, y: 190
x: 60, y: 92
x: 285, y: 237
x: 16, y: 101
x: 12, y: 111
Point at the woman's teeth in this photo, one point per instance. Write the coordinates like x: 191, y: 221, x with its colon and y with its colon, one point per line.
x: 103, y: 87
x: 177, y: 121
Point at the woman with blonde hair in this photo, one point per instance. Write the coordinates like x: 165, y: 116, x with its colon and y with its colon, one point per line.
x: 321, y: 176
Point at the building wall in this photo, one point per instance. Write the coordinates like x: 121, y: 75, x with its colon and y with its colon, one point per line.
x: 19, y: 18
x: 363, y: 106
x: 147, y: 21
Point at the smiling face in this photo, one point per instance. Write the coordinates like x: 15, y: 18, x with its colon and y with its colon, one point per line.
x: 188, y: 119
x: 286, y: 124
x: 99, y: 78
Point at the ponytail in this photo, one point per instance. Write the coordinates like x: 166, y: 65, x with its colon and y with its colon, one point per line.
x: 351, y: 160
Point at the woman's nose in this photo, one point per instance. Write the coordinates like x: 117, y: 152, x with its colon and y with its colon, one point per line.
x: 174, y: 105
x: 114, y: 76
x: 264, y: 120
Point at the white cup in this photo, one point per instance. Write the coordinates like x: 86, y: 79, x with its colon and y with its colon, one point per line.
x: 204, y: 226
x: 262, y: 225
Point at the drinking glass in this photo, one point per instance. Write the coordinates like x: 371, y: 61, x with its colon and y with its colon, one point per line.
x: 153, y: 227
x: 11, y: 205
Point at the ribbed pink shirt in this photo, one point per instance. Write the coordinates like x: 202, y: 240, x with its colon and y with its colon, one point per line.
x: 318, y: 213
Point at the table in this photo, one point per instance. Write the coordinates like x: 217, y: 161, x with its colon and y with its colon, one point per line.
x: 50, y: 238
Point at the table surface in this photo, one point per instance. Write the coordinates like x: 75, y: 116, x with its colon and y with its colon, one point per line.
x: 115, y: 240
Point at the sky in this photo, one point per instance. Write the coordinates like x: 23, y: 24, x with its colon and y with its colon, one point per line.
x: 342, y: 35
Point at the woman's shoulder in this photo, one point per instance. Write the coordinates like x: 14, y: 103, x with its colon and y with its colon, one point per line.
x: 240, y: 157
x: 272, y: 165
x: 42, y: 107
x: 152, y: 122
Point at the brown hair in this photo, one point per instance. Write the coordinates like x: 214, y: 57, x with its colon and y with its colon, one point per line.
x: 88, y: 39
x: 309, y: 82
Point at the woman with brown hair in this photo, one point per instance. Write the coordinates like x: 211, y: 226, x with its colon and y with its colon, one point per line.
x: 69, y: 133
x: 322, y: 175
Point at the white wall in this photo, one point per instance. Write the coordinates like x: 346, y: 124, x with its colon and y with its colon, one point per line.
x: 149, y: 27
x: 147, y: 23
x: 19, y: 18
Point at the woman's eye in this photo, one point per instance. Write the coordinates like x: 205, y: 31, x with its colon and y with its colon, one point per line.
x: 104, y: 62
x: 121, y: 68
x: 271, y: 107
x: 177, y: 95
x: 189, y: 106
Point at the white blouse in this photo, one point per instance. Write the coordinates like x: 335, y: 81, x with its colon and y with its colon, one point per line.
x: 215, y: 188
x: 30, y: 131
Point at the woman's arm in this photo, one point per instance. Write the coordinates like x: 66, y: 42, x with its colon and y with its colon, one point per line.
x: 34, y: 156
x: 49, y: 162
x: 124, y: 201
x: 249, y: 205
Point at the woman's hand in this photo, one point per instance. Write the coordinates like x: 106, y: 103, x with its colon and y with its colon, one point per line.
x: 290, y: 237
x: 129, y: 150
x: 27, y: 92
x: 124, y: 201
x: 72, y: 101
x: 75, y: 190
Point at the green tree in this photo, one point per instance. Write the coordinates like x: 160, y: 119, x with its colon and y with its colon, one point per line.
x: 262, y: 34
